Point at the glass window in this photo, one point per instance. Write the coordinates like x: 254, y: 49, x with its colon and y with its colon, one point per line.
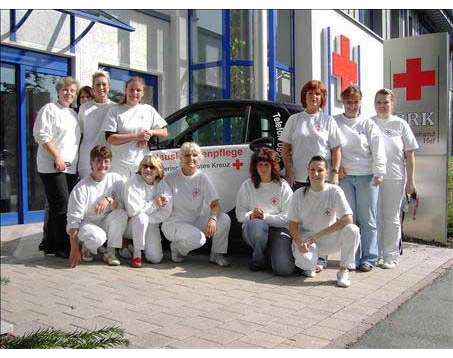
x: 394, y: 24
x: 283, y: 86
x: 284, y: 37
x: 241, y: 31
x: 40, y: 89
x: 206, y: 35
x: 242, y: 82
x: 207, y: 84
x: 9, y: 176
x: 261, y: 123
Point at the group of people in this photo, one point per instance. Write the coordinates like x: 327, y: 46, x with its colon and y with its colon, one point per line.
x: 345, y: 178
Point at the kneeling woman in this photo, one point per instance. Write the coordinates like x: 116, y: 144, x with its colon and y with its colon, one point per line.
x: 148, y: 202
x: 321, y: 223
x: 262, y: 207
x: 190, y: 224
x: 95, y: 213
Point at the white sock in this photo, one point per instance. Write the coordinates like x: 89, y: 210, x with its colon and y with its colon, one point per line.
x: 137, y: 253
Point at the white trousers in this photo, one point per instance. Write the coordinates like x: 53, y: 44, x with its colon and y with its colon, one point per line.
x: 145, y: 236
x: 391, y: 193
x: 345, y: 240
x: 110, y: 229
x: 189, y: 236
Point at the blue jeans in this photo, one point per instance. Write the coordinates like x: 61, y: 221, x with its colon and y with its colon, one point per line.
x: 362, y: 196
x: 273, y: 240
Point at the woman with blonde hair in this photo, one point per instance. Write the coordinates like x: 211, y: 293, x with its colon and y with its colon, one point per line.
x: 148, y: 201
x: 129, y: 126
x: 400, y: 145
x: 196, y: 214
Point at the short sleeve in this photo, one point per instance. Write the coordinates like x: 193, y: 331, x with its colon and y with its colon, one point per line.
x: 209, y: 190
x: 294, y: 213
x: 336, y: 138
x: 158, y: 121
x: 409, y: 140
x: 110, y: 124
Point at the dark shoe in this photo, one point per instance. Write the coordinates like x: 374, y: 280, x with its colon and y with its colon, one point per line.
x: 61, y: 253
x: 42, y: 246
x: 365, y: 267
x: 254, y: 267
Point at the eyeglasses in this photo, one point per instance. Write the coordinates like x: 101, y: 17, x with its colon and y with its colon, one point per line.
x: 146, y: 166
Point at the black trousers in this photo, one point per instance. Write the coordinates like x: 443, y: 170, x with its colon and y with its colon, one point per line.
x: 57, y: 187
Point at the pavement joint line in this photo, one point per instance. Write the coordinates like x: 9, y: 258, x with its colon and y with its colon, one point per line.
x: 351, y: 336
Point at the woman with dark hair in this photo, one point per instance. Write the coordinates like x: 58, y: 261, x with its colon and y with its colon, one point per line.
x: 262, y: 207
x: 321, y: 223
x: 310, y: 133
x: 128, y: 127
x: 84, y: 95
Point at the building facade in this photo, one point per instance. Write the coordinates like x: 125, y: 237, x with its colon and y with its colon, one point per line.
x: 184, y: 56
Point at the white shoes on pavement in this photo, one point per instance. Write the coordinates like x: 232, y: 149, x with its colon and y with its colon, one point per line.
x: 111, y: 259
x: 86, y: 254
x: 175, y: 255
x: 218, y: 259
x: 343, y: 278
x: 309, y: 273
x: 389, y: 264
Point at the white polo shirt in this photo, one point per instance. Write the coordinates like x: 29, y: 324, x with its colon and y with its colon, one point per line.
x: 363, y: 152
x: 314, y: 211
x: 310, y: 135
x: 91, y: 118
x: 273, y: 198
x: 398, y: 137
x: 192, y: 195
x: 57, y: 124
x: 131, y: 119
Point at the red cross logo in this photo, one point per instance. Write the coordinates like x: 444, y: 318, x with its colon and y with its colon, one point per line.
x: 238, y: 164
x: 274, y: 200
x: 196, y: 192
x: 327, y: 212
x: 414, y: 79
x: 342, y: 66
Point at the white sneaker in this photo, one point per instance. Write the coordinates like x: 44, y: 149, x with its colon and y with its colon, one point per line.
x: 389, y: 264
x: 111, y: 259
x: 175, y: 255
x: 86, y: 254
x: 218, y: 259
x: 343, y: 278
x: 309, y: 273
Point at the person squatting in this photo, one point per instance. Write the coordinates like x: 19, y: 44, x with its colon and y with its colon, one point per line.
x: 342, y: 189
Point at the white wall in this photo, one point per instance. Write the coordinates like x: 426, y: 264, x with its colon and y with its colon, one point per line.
x: 310, y: 25
x: 148, y: 49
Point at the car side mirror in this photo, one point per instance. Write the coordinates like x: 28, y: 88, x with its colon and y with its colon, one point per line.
x: 258, y: 143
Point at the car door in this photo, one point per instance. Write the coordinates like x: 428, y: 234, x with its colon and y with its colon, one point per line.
x: 220, y: 130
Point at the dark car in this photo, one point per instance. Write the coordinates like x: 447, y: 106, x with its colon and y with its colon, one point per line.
x: 225, y: 130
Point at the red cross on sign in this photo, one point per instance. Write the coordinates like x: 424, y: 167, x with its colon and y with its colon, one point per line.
x: 342, y: 66
x: 414, y: 79
x: 238, y: 164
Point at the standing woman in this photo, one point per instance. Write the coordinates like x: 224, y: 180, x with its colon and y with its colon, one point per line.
x: 148, y: 201
x: 196, y: 214
x: 310, y: 133
x: 321, y: 224
x: 400, y: 145
x: 129, y: 126
x: 361, y: 172
x: 84, y: 95
x: 262, y: 207
x: 91, y: 118
x: 57, y: 132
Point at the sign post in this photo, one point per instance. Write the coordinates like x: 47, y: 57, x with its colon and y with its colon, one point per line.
x: 417, y: 70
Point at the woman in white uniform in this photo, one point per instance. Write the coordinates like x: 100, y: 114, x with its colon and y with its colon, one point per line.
x: 148, y: 201
x: 361, y: 172
x: 95, y: 212
x: 400, y: 146
x: 196, y: 214
x: 310, y: 133
x: 57, y: 132
x: 321, y: 224
x: 262, y: 207
x: 91, y: 118
x: 129, y: 126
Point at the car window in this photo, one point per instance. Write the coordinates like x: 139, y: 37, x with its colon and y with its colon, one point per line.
x: 208, y: 126
x: 263, y: 121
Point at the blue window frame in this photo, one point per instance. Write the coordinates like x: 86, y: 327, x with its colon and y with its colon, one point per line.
x: 25, y: 62
x: 121, y: 76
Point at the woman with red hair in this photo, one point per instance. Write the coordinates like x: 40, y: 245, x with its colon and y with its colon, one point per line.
x: 262, y: 207
x: 310, y: 133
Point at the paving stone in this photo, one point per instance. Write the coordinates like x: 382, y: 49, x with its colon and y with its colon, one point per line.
x: 323, y: 332
x: 241, y: 326
x: 282, y: 330
x: 338, y: 324
x: 263, y: 339
x: 201, y: 323
x: 219, y: 335
x: 259, y: 318
x: 220, y: 315
x: 151, y: 340
x: 237, y: 344
x: 176, y: 331
x: 194, y: 343
x: 307, y: 342
x: 298, y: 321
x: 161, y: 319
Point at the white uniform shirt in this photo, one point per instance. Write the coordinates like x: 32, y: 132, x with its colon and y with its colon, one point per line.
x: 91, y: 119
x: 364, y: 151
x: 131, y: 119
x: 398, y: 137
x: 138, y: 197
x: 59, y: 125
x: 314, y: 211
x: 310, y: 135
x: 273, y: 198
x: 191, y: 195
x: 85, y: 195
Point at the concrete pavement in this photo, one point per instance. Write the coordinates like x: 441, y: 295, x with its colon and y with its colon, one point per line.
x: 195, y: 304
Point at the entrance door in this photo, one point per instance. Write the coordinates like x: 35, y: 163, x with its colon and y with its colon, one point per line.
x: 27, y: 83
